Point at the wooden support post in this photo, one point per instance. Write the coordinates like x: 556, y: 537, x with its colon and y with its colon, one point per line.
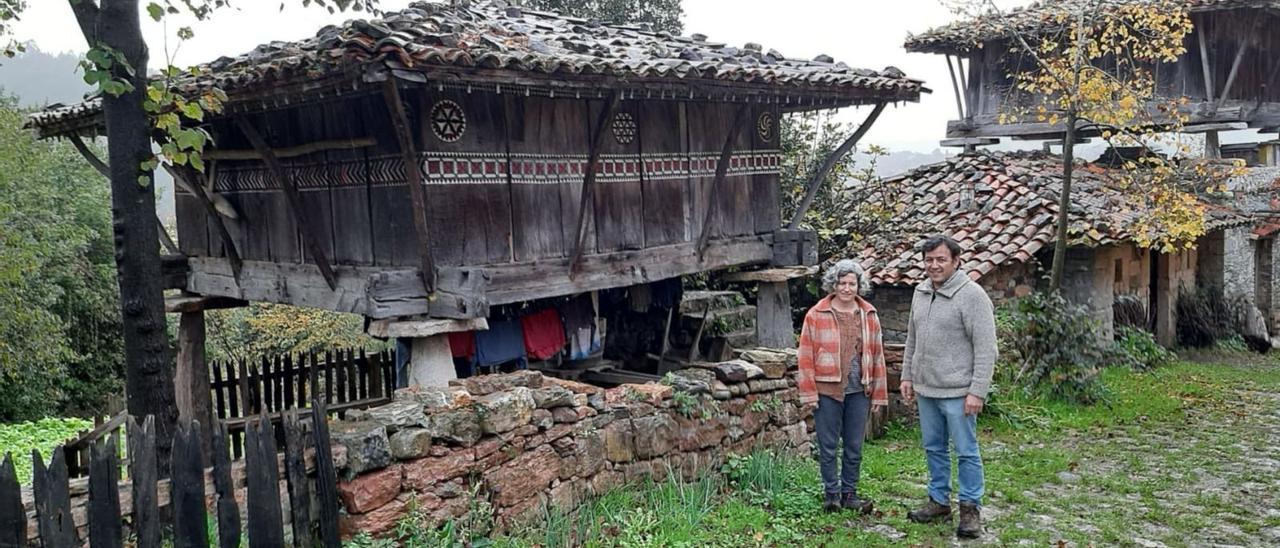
x: 413, y: 170
x: 1212, y: 146
x: 102, y: 168
x: 773, y: 316
x: 191, y: 380
x: 228, y: 244
x: 955, y: 86
x: 293, y: 198
x: 814, y: 183
x: 1204, y: 64
x: 722, y: 169
x: 1231, y: 76
x: 589, y: 182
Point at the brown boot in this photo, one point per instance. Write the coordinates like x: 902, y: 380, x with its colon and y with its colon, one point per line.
x: 931, y: 511
x: 970, y: 521
x: 851, y: 501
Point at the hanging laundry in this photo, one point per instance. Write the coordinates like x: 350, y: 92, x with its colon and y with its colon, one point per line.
x: 501, y: 343
x: 666, y: 293
x: 462, y: 344
x: 641, y: 297
x: 543, y: 334
x: 580, y: 327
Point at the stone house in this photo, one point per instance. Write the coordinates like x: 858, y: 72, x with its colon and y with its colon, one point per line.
x: 1002, y: 208
x: 1244, y: 254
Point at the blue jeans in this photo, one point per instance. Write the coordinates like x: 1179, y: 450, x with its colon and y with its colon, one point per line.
x: 838, y: 422
x: 943, y: 419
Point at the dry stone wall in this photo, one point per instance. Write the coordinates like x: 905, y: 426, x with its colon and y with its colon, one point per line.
x: 512, y: 445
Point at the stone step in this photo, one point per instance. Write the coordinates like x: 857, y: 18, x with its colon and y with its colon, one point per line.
x: 742, y: 338
x: 695, y: 302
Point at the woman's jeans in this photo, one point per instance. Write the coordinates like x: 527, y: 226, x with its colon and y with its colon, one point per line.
x: 943, y: 420
x: 835, y: 422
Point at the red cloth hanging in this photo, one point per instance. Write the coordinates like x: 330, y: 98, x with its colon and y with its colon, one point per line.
x: 543, y: 334
x: 462, y: 344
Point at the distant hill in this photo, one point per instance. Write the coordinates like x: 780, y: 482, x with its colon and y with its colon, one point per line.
x: 39, y: 78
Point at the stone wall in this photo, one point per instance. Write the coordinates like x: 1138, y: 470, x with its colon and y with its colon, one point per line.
x: 511, y: 445
x: 893, y: 303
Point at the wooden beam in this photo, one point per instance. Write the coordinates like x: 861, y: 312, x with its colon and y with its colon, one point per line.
x: 1216, y: 126
x: 769, y: 275
x: 189, y: 302
x: 293, y: 198
x: 228, y: 244
x: 816, y: 181
x: 413, y: 170
x: 968, y: 142
x: 191, y: 380
x: 589, y: 182
x: 1231, y: 76
x: 101, y: 167
x: 423, y: 328
x: 294, y: 151
x: 722, y: 170
x: 1204, y: 64
x: 955, y: 86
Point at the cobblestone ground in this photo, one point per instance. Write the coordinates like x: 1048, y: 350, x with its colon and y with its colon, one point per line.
x: 1209, y: 479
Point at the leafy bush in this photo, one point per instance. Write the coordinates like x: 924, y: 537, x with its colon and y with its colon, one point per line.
x: 1205, y: 316
x: 1054, y: 346
x: 1137, y: 349
x: 43, y: 435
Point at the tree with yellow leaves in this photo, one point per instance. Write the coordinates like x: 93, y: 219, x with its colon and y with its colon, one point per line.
x: 1091, y: 68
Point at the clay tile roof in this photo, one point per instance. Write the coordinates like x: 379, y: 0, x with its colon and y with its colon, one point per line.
x: 520, y: 42
x: 1042, y: 16
x: 992, y: 231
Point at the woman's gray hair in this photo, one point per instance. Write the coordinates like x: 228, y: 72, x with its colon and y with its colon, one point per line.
x: 842, y: 268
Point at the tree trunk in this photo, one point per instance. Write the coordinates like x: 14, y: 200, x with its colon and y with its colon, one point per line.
x: 1064, y: 204
x: 148, y: 368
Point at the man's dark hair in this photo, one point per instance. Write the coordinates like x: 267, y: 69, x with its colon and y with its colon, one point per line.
x: 933, y: 242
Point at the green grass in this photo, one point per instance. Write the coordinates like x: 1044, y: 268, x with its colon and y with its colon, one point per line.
x: 19, y: 439
x: 771, y: 499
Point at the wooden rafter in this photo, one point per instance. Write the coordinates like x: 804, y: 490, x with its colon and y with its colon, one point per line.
x: 293, y: 198
x: 589, y: 181
x: 816, y: 181
x: 722, y: 170
x: 211, y: 210
x: 101, y: 167
x: 1231, y: 76
x: 955, y: 86
x: 413, y: 170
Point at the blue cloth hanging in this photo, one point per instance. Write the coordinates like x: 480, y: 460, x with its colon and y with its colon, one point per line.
x: 501, y: 343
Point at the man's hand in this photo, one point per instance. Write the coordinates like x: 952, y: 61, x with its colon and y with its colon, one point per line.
x: 972, y: 405
x: 908, y: 393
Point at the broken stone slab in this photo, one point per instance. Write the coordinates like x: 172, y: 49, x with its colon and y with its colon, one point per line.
x: 367, y: 445
x: 552, y: 396
x: 411, y: 443
x: 505, y: 411
x: 397, y: 415
x: 733, y: 370
x: 573, y: 386
x: 433, y: 398
x: 651, y: 393
x: 482, y: 385
x: 691, y: 380
x: 460, y: 425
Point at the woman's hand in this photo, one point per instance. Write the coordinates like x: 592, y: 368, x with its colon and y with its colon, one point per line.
x: 877, y: 407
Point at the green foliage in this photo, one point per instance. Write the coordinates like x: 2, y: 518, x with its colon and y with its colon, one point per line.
x: 661, y: 15
x: 1054, y: 347
x: 273, y: 329
x: 60, y: 345
x: 1138, y: 349
x: 43, y: 435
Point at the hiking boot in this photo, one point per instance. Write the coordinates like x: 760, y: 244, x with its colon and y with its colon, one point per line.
x: 970, y: 521
x: 851, y: 501
x: 830, y: 502
x: 931, y: 511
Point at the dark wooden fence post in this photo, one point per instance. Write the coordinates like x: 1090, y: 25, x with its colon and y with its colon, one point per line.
x: 13, y: 519
x: 326, y: 476
x: 186, y: 488
x: 266, y: 526
x: 228, y: 512
x: 53, y: 500
x: 105, y: 529
x: 142, y: 470
x: 296, y: 472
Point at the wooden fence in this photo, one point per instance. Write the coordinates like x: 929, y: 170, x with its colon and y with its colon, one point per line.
x: 188, y: 524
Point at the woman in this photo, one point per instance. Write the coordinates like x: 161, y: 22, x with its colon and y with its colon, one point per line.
x: 842, y: 369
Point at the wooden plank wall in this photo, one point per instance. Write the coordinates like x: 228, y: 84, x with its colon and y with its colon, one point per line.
x: 516, y: 198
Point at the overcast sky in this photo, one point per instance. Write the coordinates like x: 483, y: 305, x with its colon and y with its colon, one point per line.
x: 862, y: 33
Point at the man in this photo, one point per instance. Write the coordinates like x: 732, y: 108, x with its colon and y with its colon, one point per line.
x: 950, y: 354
